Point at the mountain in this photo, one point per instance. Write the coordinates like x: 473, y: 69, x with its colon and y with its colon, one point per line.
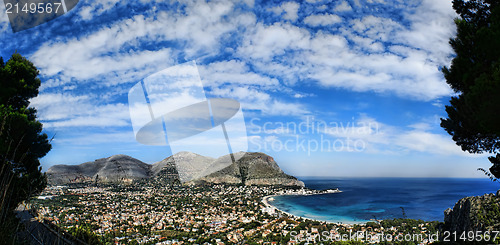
x: 165, y: 172
x: 183, y: 167
x: 189, y: 165
x: 220, y: 165
x: 252, y: 169
x: 117, y: 168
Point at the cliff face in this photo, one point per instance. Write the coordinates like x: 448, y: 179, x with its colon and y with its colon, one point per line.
x: 183, y: 167
x: 118, y: 168
x: 479, y: 213
x: 253, y: 169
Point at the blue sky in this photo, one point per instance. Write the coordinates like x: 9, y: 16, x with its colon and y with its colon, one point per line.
x: 367, y: 72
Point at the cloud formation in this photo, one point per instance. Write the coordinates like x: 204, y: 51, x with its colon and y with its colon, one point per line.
x: 322, y: 20
x: 370, y: 52
x: 363, y: 53
x: 381, y: 138
x: 59, y: 110
x: 279, y: 59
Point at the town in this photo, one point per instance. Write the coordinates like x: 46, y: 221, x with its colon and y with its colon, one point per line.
x: 203, y: 214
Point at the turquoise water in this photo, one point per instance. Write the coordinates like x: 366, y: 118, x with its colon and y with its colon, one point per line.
x: 363, y: 199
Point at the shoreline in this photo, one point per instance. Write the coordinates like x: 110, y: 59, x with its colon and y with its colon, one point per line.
x: 265, y: 200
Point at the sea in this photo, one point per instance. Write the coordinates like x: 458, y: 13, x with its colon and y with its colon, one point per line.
x: 368, y: 199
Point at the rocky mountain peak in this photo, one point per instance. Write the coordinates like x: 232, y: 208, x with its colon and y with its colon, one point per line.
x: 250, y: 168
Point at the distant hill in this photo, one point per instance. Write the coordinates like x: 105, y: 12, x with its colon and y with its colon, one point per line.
x: 183, y: 167
x: 117, y: 168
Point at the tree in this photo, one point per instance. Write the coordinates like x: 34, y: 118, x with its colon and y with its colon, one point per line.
x: 85, y: 233
x: 22, y: 142
x: 474, y: 114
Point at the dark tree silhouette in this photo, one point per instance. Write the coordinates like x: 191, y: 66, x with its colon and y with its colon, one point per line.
x: 22, y: 142
x: 474, y: 114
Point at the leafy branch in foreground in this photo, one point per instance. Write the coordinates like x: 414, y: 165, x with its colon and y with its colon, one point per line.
x: 473, y: 119
x: 487, y: 173
x: 22, y: 142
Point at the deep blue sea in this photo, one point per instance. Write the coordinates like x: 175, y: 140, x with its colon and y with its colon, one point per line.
x: 363, y: 199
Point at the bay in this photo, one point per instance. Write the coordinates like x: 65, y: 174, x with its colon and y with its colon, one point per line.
x: 365, y: 199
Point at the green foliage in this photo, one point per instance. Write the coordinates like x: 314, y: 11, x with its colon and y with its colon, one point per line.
x: 373, y: 224
x: 19, y: 82
x: 22, y: 142
x: 489, y: 213
x: 86, y: 234
x: 251, y: 225
x: 410, y: 226
x: 473, y: 118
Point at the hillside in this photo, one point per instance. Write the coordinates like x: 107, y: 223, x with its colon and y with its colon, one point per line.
x: 117, y: 168
x: 475, y: 213
x: 252, y: 169
x: 188, y: 165
x: 183, y: 167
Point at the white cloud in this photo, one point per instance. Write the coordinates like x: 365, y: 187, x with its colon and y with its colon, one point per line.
x: 283, y: 108
x: 266, y: 42
x: 235, y: 73
x: 279, y: 50
x: 96, y: 138
x: 4, y: 19
x: 377, y: 28
x: 290, y: 10
x: 301, y: 95
x: 431, y: 28
x: 382, y: 138
x: 322, y: 20
x: 113, y: 54
x: 78, y: 64
x: 357, y: 58
x: 85, y: 58
x: 419, y: 140
x: 253, y: 98
x: 249, y: 3
x: 413, y: 76
x: 369, y: 54
x: 58, y: 106
x: 96, y: 8
x: 65, y: 110
x: 234, y: 79
x: 343, y: 7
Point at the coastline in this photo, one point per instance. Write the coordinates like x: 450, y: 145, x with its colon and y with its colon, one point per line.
x: 265, y: 200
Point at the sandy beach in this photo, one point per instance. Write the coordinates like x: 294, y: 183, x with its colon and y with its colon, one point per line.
x: 266, y: 201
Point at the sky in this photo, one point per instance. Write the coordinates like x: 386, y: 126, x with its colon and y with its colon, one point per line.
x: 348, y: 88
